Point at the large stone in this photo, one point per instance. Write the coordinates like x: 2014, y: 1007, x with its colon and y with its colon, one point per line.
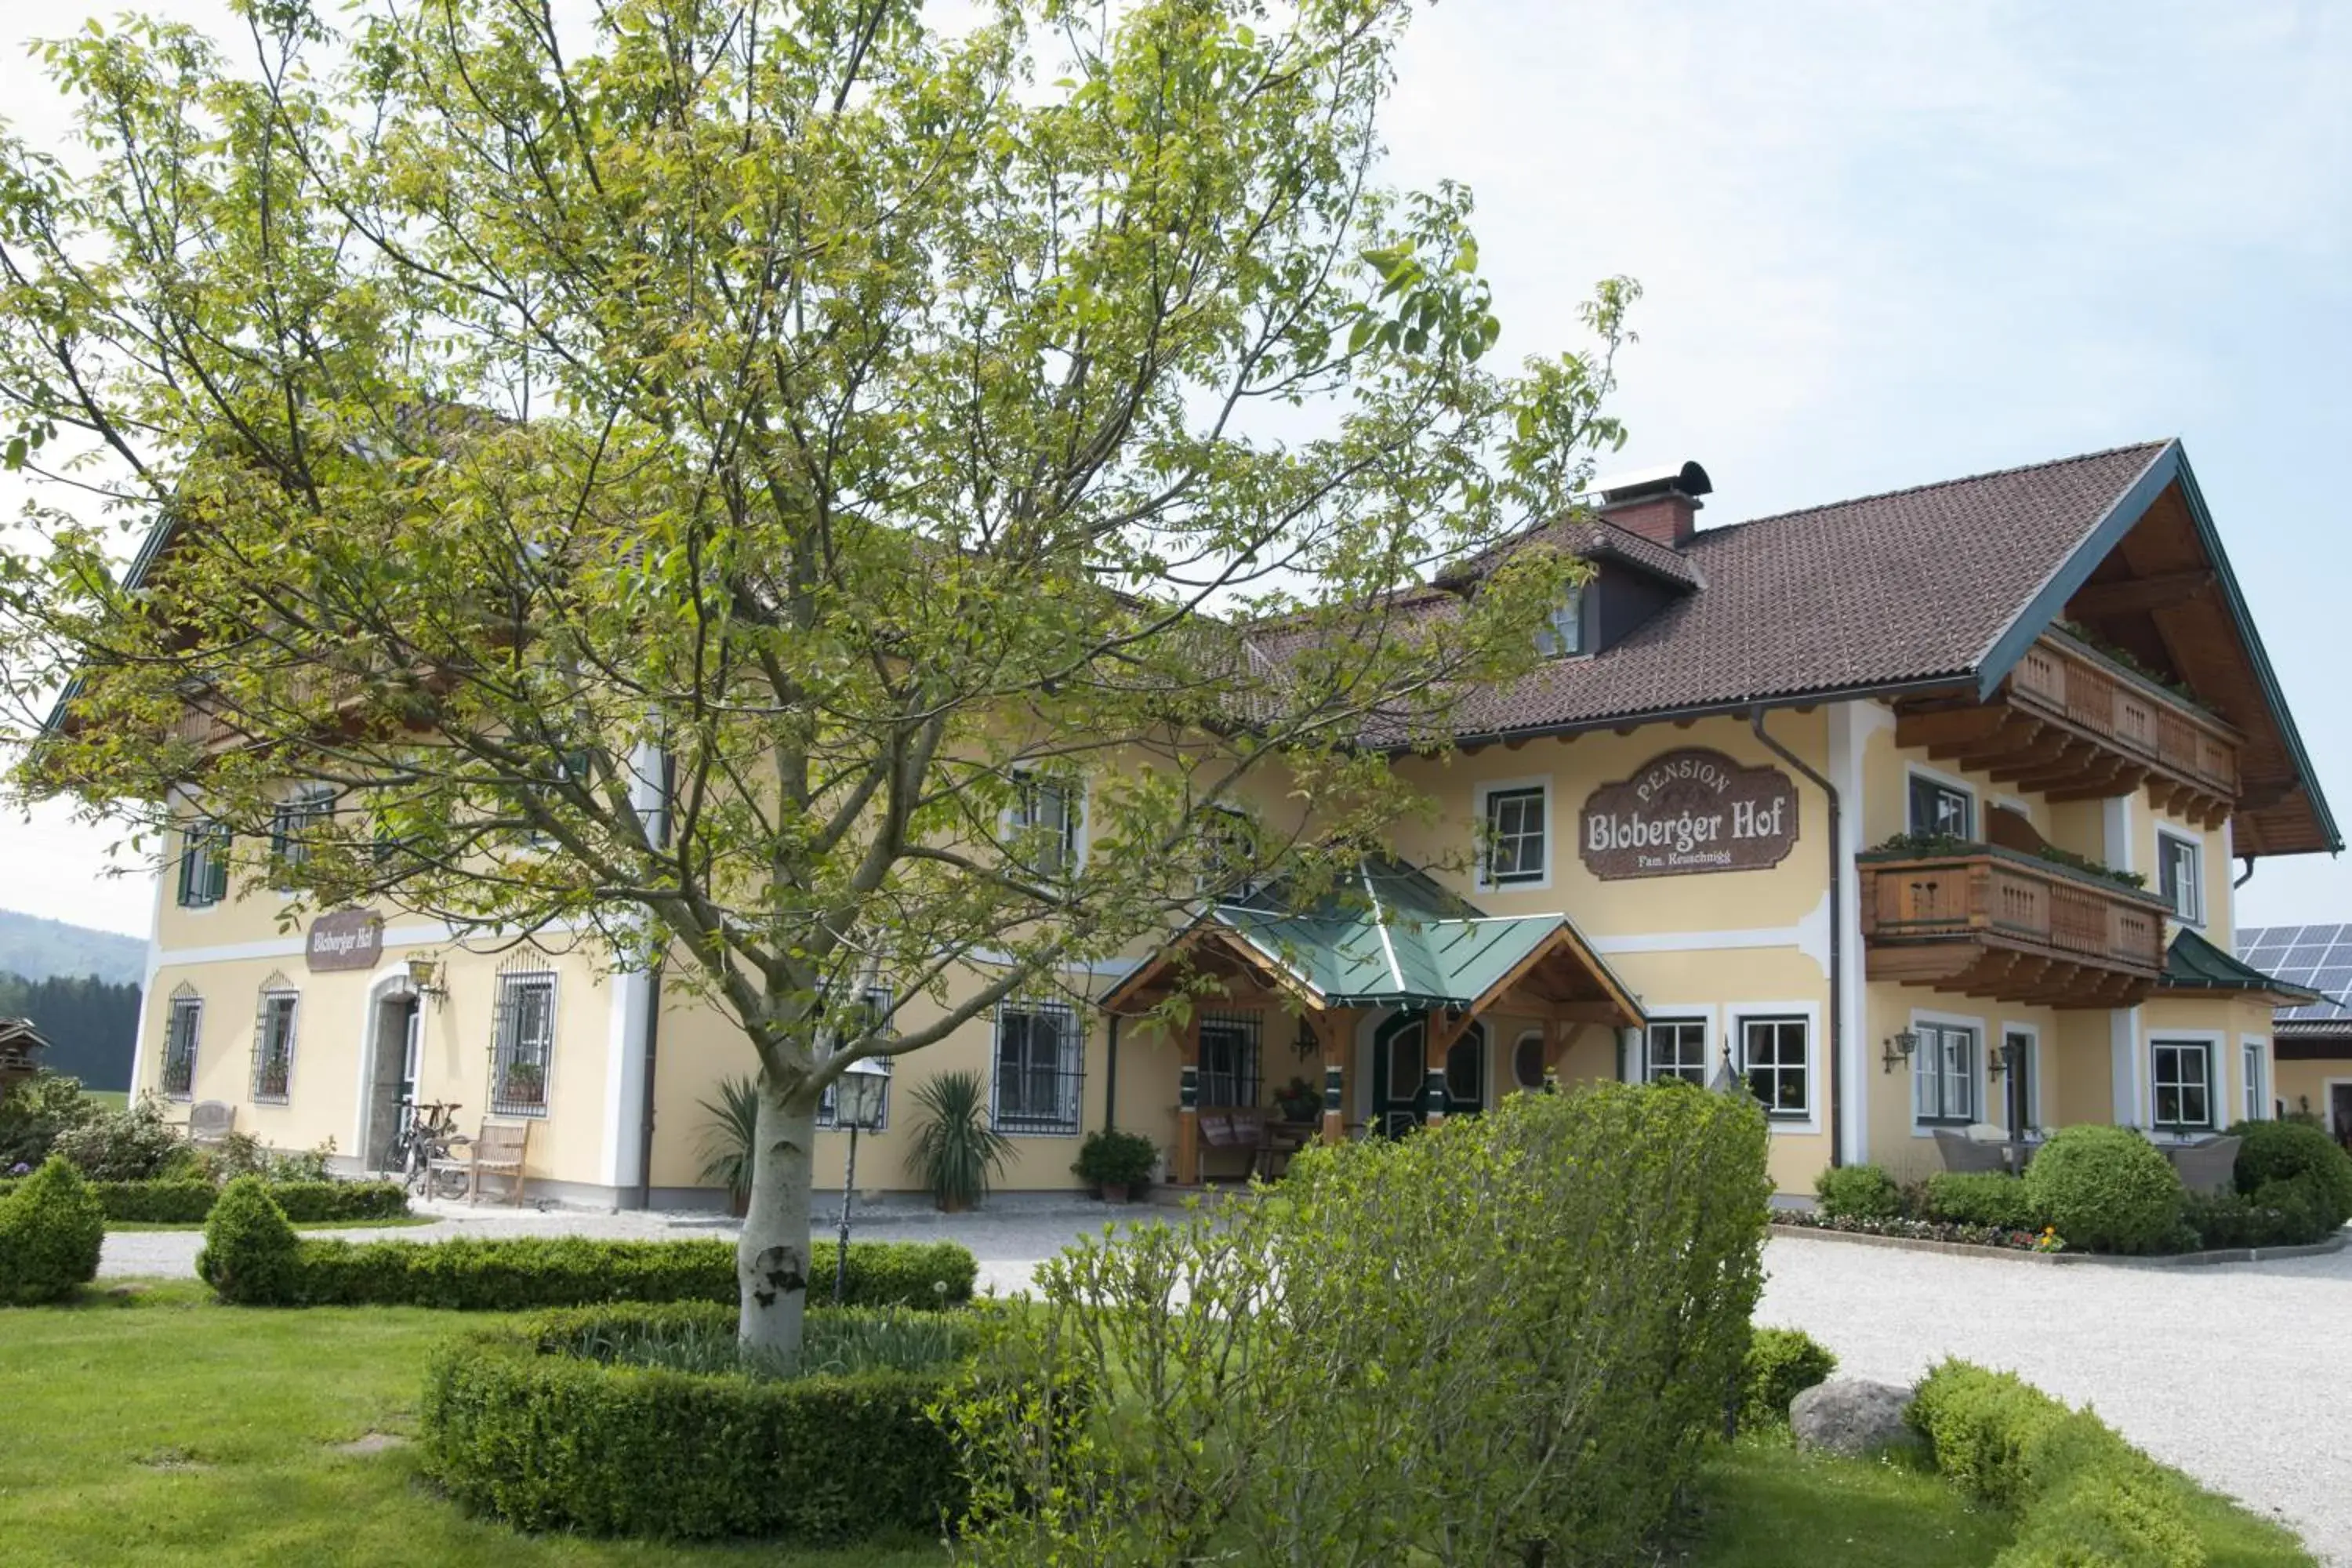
x: 1852, y: 1415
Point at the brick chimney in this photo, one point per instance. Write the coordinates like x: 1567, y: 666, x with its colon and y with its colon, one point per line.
x: 1660, y: 504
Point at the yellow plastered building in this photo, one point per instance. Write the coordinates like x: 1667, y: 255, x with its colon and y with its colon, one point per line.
x: 1912, y: 815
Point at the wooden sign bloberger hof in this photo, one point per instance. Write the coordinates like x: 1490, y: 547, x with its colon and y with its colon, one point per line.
x: 1689, y: 811
x: 344, y: 939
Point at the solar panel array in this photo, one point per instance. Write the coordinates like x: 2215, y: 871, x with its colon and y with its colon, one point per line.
x: 2317, y: 956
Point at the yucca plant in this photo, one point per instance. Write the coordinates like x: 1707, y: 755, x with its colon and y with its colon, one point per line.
x: 727, y: 1138
x: 956, y: 1151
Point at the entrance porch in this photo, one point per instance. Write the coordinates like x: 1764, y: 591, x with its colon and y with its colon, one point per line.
x: 1392, y: 966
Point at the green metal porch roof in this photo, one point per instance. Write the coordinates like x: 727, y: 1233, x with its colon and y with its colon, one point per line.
x: 1396, y: 938
x: 2192, y: 963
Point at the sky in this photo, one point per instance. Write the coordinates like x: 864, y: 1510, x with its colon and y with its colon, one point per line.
x: 1880, y: 246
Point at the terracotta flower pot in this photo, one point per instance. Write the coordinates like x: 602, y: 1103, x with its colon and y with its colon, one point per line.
x: 1114, y: 1192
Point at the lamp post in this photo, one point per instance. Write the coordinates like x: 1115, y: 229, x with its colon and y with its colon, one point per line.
x: 856, y: 1105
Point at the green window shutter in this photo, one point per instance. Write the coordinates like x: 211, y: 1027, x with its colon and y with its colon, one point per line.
x: 190, y: 841
x: 216, y: 866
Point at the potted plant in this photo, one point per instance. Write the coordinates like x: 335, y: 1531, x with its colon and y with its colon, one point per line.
x: 726, y: 1140
x: 1299, y: 1101
x: 525, y: 1084
x: 1117, y: 1164
x: 956, y: 1151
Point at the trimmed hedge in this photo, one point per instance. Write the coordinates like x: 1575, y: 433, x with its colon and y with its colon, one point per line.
x: 2083, y: 1497
x: 2107, y: 1189
x: 518, y: 1425
x: 189, y: 1202
x: 467, y: 1274
x: 251, y: 1252
x: 1858, y: 1192
x: 1781, y: 1363
x: 50, y: 1232
x: 1982, y: 1198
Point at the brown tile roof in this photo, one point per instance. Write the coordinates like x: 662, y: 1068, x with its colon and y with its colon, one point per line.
x: 1907, y: 587
x: 1595, y: 538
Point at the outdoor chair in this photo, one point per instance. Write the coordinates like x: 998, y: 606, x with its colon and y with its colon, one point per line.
x: 2208, y: 1165
x: 209, y: 1121
x: 496, y: 1151
x: 1218, y: 1130
x: 1965, y: 1156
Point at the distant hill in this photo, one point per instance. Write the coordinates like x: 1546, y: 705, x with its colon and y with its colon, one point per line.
x: 40, y: 949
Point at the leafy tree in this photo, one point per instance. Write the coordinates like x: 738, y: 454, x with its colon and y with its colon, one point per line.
x: 687, y: 482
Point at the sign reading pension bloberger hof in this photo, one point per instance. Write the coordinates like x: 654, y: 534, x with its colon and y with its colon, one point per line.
x: 345, y: 939
x: 1689, y: 811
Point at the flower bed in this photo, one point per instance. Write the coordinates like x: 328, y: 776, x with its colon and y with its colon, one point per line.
x: 558, y: 1423
x: 1953, y: 1231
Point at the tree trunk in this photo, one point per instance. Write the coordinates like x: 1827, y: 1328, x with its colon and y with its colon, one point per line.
x: 772, y: 1261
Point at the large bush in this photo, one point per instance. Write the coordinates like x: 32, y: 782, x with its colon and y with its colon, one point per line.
x: 1781, y: 1363
x: 1506, y: 1338
x: 1982, y: 1198
x: 2295, y: 1212
x: 35, y: 1113
x: 51, y: 1229
x: 1858, y: 1192
x: 2106, y: 1189
x: 2296, y: 1152
x: 134, y: 1144
x: 530, y: 1424
x: 2083, y: 1497
x: 251, y: 1254
x: 503, y: 1274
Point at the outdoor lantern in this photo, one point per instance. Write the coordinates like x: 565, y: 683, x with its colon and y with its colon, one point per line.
x: 1899, y: 1047
x: 423, y: 974
x: 856, y: 1105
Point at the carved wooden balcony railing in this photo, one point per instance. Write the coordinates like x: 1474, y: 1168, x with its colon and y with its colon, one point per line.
x: 1990, y: 922
x: 2074, y: 725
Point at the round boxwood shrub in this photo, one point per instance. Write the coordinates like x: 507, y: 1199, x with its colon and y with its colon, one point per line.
x: 556, y: 1423
x: 2106, y: 1189
x: 1858, y: 1192
x: 1781, y: 1363
x: 51, y: 1228
x: 2295, y: 1151
x: 251, y: 1254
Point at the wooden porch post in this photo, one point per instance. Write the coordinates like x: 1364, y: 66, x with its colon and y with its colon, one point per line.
x: 1188, y: 1105
x: 1332, y: 1029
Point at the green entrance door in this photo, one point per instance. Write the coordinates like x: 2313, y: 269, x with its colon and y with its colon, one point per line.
x: 1400, y: 1087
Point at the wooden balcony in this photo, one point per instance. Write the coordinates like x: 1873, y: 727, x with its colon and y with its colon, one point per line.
x: 1992, y: 922
x: 2074, y: 725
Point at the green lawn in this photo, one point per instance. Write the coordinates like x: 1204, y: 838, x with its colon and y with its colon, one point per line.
x: 112, y: 1099
x: 154, y: 1427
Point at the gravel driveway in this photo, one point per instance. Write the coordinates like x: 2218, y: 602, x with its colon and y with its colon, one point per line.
x: 2235, y: 1374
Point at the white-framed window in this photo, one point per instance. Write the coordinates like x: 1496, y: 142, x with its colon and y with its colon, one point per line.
x: 1527, y: 1061
x: 2182, y: 1083
x: 1776, y: 1056
x: 1674, y: 1048
x: 293, y: 823
x: 1040, y: 1060
x: 273, y: 1041
x: 1513, y: 834
x: 2254, y: 1057
x: 181, y: 1025
x: 1228, y: 854
x: 2180, y: 876
x: 522, y: 1040
x: 204, y: 863
x: 1942, y: 808
x: 1944, y: 1075
x: 877, y: 1007
x: 1568, y: 630
x: 1041, y: 822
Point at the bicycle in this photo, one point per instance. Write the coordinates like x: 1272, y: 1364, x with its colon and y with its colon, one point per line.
x: 428, y: 1134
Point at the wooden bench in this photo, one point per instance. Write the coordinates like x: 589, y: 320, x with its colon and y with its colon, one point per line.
x: 1264, y: 1141
x: 499, y: 1150
x: 209, y: 1121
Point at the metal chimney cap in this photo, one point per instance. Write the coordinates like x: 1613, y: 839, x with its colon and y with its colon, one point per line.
x: 1685, y: 478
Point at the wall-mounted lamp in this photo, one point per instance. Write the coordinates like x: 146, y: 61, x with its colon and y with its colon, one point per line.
x: 424, y: 976
x: 2003, y: 1059
x: 1899, y: 1047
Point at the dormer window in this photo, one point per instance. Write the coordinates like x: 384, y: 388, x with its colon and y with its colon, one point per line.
x: 1563, y: 632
